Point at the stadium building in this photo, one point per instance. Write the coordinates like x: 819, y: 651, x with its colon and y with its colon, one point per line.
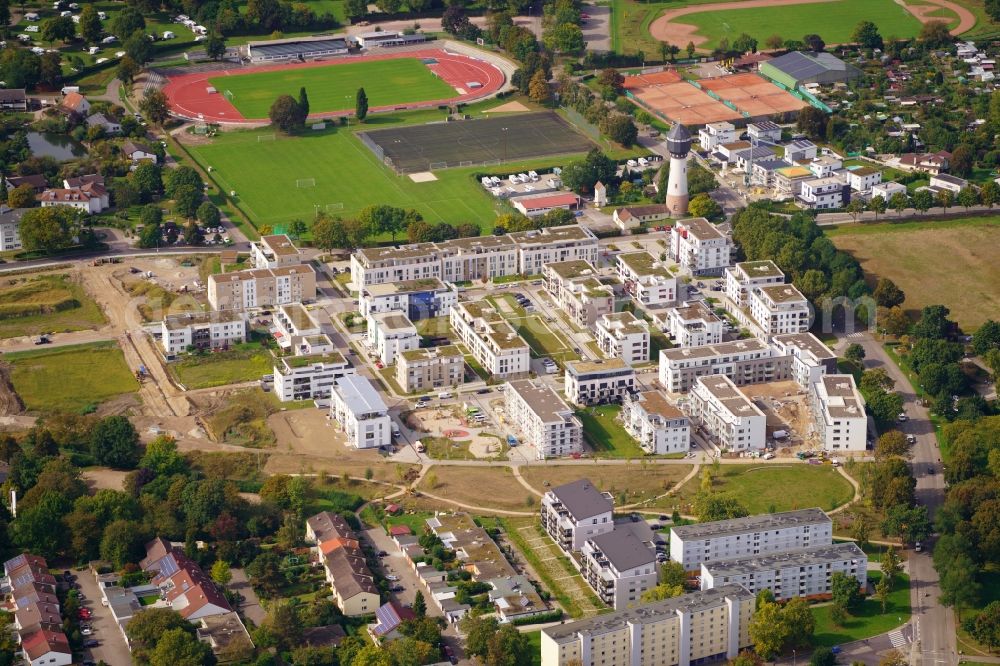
x: 301, y: 48
x: 800, y: 68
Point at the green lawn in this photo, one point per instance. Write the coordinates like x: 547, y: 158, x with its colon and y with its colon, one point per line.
x: 243, y: 364
x: 333, y: 88
x: 46, y: 304
x: 867, y: 620
x: 543, y: 340
x: 770, y: 488
x: 347, y: 178
x: 606, y: 435
x: 833, y: 21
x: 535, y: 638
x: 63, y: 379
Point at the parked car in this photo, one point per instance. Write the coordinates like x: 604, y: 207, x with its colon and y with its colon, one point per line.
x: 392, y: 578
x: 382, y: 553
x: 91, y: 643
x: 86, y: 631
x: 396, y: 588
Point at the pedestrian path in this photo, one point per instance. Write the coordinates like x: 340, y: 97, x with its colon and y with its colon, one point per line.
x: 897, y: 638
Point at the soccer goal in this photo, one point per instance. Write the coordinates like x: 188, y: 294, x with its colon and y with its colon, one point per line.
x: 305, y: 182
x: 466, y: 163
x: 228, y: 94
x: 438, y: 165
x: 265, y: 137
x: 329, y: 208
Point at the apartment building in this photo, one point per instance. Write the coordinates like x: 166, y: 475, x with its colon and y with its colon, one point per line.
x: 360, y: 413
x: 598, y: 382
x: 822, y: 193
x: 293, y: 324
x: 745, y: 276
x: 575, y: 512
x: 778, y: 309
x: 748, y: 361
x: 430, y: 368
x: 699, y: 247
x: 693, y: 325
x: 478, y: 258
x: 732, y: 421
x: 390, y: 334
x: 623, y: 335
x: 788, y: 180
x: 863, y: 179
x: 543, y: 419
x: 807, y: 572
x: 202, y: 330
x: 417, y: 299
x: 620, y: 565
x: 887, y: 189
x: 275, y: 251
x: 261, y: 287
x: 800, y: 150
x: 713, y: 134
x: 839, y: 414
x: 825, y: 166
x: 577, y: 291
x: 701, y: 627
x: 767, y: 130
x: 10, y: 228
x: 309, y: 376
x: 493, y: 342
x: 646, y: 279
x: 693, y: 545
x: 658, y: 426
x: 339, y: 551
x: 810, y: 358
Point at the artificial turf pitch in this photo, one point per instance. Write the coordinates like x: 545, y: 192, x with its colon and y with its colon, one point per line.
x: 833, y: 21
x: 333, y: 88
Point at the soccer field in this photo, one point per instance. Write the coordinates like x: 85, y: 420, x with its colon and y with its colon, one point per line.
x: 283, y: 178
x: 833, y: 21
x: 333, y: 88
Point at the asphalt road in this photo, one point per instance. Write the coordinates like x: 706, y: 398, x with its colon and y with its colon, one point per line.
x: 112, y: 649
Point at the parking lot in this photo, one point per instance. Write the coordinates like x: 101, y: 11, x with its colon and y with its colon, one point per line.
x: 112, y: 648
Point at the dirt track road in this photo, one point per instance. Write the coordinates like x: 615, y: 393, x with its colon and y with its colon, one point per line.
x: 666, y: 28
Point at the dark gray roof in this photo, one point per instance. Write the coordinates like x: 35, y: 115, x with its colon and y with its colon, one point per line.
x: 624, y: 549
x: 738, y: 566
x: 951, y: 179
x: 759, y: 153
x: 767, y: 521
x: 12, y: 95
x: 582, y: 499
x: 771, y: 165
x: 11, y: 214
x: 766, y: 125
x: 799, y: 65
x: 305, y: 47
x: 679, y: 133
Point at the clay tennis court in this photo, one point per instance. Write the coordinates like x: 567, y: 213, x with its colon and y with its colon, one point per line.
x: 668, y: 94
x: 753, y: 94
x: 191, y: 96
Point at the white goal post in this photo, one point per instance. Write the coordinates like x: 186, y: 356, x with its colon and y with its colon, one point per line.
x: 305, y: 182
x: 438, y: 165
x: 265, y: 137
x: 228, y: 94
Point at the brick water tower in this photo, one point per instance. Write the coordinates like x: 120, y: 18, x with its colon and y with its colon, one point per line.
x: 678, y: 145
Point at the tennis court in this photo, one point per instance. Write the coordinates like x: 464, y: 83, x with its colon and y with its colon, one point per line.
x: 753, y: 94
x: 679, y: 101
x: 476, y: 142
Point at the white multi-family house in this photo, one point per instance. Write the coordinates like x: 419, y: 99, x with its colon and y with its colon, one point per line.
x: 575, y: 512
x: 646, y: 279
x: 620, y: 565
x: 309, y: 376
x: 693, y: 325
x: 766, y: 130
x: 887, y: 189
x: 417, y: 299
x: 821, y: 193
x: 778, y: 309
x: 554, y: 244
x: 360, y: 413
x: 261, y: 287
x: 839, y: 412
x: 10, y: 228
x: 202, y: 330
x: 750, y: 361
x: 430, y: 368
x: 825, y: 166
x: 713, y: 134
x: 577, y: 291
x: 863, y: 179
x: 597, y: 382
x: 658, y: 426
x: 293, y: 323
x: 699, y: 247
x: 800, y: 150
x: 390, y: 334
x: 492, y: 340
x: 730, y: 419
x: 543, y: 419
x: 810, y: 358
x: 274, y: 251
x: 944, y: 181
x: 623, y: 335
x: 742, y: 278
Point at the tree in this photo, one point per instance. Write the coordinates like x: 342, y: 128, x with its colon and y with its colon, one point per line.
x: 38, y: 528
x: 910, y: 524
x: 944, y: 199
x: 4, y: 16
x: 855, y: 207
x: 811, y: 121
x: 989, y: 193
x: 221, y: 573
x: 564, y: 38
x: 285, y: 114
x: 690, y: 49
x: 48, y: 229
x: 58, y: 29
x: 538, y: 88
x: 208, y: 214
x: 619, y: 128
x: 922, y: 200
x: 887, y: 294
x: 20, y: 68
x: 968, y: 197
x: 935, y: 34
x: 861, y: 526
x: 814, y: 42
x: 126, y: 70
x: 145, y: 629
x: 419, y: 605
x: 612, y: 79
x: 745, y: 44
x: 22, y: 196
x: 986, y: 337
x: 215, y: 45
x: 877, y: 205
x: 774, y: 42
x: 297, y: 228
x: 898, y: 202
x: 126, y: 22
x: 844, y: 590
x: 122, y: 542
x: 768, y: 631
x: 329, y: 233
x: 155, y: 107
x: 361, y: 105
x: 891, y: 444
x: 855, y: 353
x: 704, y: 206
x: 823, y: 656
x: 138, y: 47
x: 799, y: 623
x: 478, y: 631
x: 962, y: 160
x: 867, y: 36
x: 891, y: 566
x: 581, y: 175
x: 986, y: 625
x: 959, y: 587
x: 147, y: 180
x: 713, y: 506
x: 662, y: 591
x: 178, y: 647
x: 115, y: 442
x: 187, y: 198
x: 933, y: 323
x: 161, y: 457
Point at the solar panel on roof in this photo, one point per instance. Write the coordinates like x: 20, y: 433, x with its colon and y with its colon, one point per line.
x: 295, y: 48
x: 168, y: 566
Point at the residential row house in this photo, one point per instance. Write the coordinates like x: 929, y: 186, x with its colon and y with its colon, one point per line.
x: 339, y: 551
x: 37, y: 620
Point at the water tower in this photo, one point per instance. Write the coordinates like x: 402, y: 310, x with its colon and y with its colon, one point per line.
x: 678, y: 145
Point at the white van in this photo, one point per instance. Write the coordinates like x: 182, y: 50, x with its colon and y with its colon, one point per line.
x: 444, y: 396
x: 768, y: 456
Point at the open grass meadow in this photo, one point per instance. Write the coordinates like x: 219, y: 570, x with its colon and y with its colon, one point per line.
x: 833, y: 21
x: 245, y: 363
x: 771, y: 488
x: 63, y: 379
x: 44, y: 304
x: 605, y: 434
x: 630, y: 483
x: 868, y: 619
x: 333, y: 88
x: 953, y: 262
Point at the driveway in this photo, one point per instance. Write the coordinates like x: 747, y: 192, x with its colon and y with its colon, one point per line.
x: 250, y: 607
x: 597, y: 29
x: 112, y: 649
x: 395, y: 564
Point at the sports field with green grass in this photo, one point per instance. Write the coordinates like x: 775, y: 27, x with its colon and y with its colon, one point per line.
x: 333, y: 88
x: 833, y: 21
x: 283, y: 178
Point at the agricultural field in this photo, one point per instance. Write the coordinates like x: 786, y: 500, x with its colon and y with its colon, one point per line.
x: 333, y: 88
x: 954, y: 262
x: 63, y: 379
x: 775, y: 488
x: 45, y: 304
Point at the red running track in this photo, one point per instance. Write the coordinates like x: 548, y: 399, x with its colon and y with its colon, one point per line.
x: 189, y: 97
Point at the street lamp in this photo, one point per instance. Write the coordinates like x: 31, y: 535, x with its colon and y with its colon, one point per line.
x: 348, y: 98
x: 504, y: 130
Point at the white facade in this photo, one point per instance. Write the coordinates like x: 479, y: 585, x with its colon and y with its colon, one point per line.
x: 712, y: 134
x: 943, y: 181
x: 765, y: 129
x: 744, y: 361
x: 390, y: 334
x: 360, y: 413
x: 839, y: 411
x: 622, y: 335
x: 825, y: 166
x: 779, y: 309
x: 820, y: 193
x: 693, y: 325
x: 646, y: 279
x: 543, y: 419
x: 797, y: 573
x: 742, y: 278
x: 619, y: 566
x: 598, y: 382
x: 800, y: 150
x: 730, y: 419
x: 863, y: 179
x: 493, y: 342
x: 811, y: 359
x: 699, y: 247
x: 693, y: 545
x: 292, y: 324
x: 417, y: 299
x: 309, y: 377
x: 575, y: 512
x: 10, y: 225
x: 210, y: 330
x: 274, y: 252
x: 659, y: 427
x: 886, y: 190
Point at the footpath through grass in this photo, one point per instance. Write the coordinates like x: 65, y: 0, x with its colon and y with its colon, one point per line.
x: 868, y: 619
x: 76, y: 378
x: 333, y: 88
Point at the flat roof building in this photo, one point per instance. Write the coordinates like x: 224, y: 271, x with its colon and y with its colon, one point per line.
x: 699, y: 247
x: 417, y: 299
x: 749, y: 361
x: 810, y: 358
x: 359, y: 411
x: 839, y: 413
x: 544, y: 419
x: 309, y: 376
x: 742, y: 278
x: 624, y: 336
x: 492, y: 340
x: 389, y: 334
x: 731, y: 420
x: 577, y: 290
x: 646, y: 279
x: 274, y: 252
x: 658, y: 426
x: 430, y: 368
x: 202, y: 330
x: 261, y: 287
x: 692, y: 325
x: 598, y: 382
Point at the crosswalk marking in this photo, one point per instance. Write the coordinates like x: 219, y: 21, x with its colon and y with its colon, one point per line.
x: 897, y: 638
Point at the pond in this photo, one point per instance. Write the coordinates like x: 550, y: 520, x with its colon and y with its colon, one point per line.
x: 58, y: 146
